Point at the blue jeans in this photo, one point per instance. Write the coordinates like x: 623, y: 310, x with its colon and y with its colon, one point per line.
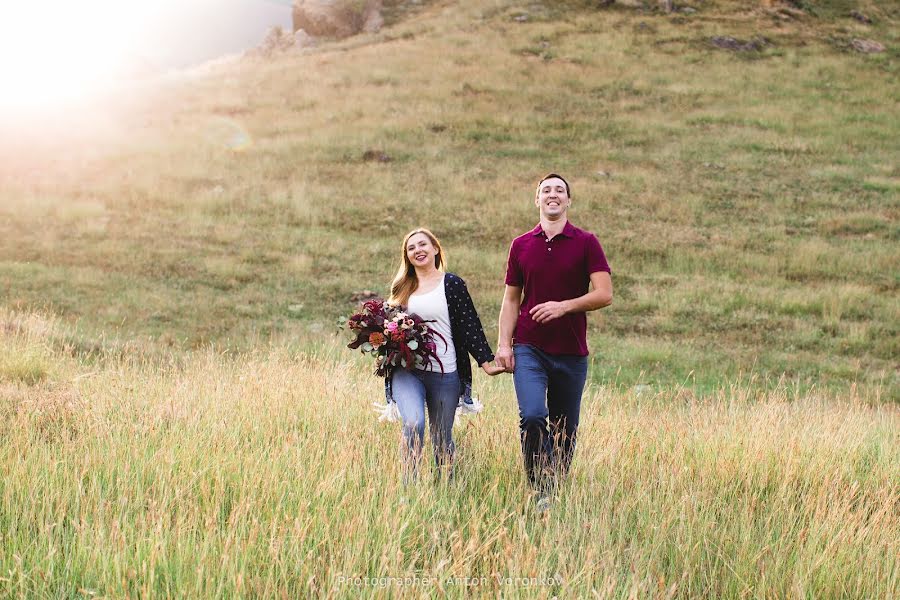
x: 548, y: 388
x: 416, y: 391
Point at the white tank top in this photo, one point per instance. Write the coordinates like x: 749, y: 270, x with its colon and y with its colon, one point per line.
x: 433, y: 306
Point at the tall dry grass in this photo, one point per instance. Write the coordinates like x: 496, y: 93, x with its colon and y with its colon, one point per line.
x: 748, y: 204
x: 264, y: 474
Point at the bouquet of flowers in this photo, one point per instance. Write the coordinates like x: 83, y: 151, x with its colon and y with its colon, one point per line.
x: 395, y: 337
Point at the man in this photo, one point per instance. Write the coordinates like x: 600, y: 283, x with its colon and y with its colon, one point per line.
x: 543, y: 330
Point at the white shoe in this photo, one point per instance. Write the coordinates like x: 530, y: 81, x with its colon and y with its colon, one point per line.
x: 386, y: 411
x: 470, y: 407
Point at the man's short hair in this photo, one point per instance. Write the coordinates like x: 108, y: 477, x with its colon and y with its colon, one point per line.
x: 555, y: 176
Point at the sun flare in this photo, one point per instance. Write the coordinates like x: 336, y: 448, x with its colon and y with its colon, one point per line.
x: 55, y: 51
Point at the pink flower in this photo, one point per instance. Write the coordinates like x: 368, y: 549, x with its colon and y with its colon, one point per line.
x: 392, y: 326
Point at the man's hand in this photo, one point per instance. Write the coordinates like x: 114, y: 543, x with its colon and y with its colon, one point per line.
x: 506, y: 359
x: 547, y: 311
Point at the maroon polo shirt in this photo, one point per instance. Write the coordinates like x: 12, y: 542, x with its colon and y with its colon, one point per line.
x: 557, y: 269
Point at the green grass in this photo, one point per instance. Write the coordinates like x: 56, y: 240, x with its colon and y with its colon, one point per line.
x: 29, y: 366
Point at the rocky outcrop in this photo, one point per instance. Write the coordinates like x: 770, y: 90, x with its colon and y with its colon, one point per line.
x: 337, y: 18
x: 867, y: 46
x: 277, y: 40
x: 737, y: 45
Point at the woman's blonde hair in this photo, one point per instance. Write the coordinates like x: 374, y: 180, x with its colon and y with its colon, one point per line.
x: 405, y: 281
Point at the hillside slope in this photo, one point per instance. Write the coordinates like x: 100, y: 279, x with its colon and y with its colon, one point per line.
x: 747, y: 200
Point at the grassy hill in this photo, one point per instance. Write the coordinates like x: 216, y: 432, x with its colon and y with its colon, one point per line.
x: 179, y: 419
x: 747, y: 200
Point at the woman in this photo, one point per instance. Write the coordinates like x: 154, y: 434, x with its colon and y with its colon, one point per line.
x: 422, y: 285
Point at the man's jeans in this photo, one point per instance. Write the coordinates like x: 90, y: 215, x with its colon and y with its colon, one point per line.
x: 414, y: 391
x: 548, y: 388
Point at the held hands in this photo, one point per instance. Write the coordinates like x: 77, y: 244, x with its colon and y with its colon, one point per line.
x: 505, y: 360
x: 492, y: 369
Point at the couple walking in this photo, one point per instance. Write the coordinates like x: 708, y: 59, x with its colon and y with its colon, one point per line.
x: 542, y: 338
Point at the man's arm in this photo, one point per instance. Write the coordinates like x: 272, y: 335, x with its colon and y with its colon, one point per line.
x: 509, y: 314
x: 599, y: 297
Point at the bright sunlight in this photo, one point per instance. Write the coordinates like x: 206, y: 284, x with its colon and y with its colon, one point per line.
x: 53, y: 52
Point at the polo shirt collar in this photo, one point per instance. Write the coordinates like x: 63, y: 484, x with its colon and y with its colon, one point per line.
x: 568, y: 230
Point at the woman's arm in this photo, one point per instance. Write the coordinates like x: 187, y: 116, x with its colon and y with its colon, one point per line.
x: 474, y: 340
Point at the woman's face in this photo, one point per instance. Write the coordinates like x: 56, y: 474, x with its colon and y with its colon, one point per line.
x: 420, y: 251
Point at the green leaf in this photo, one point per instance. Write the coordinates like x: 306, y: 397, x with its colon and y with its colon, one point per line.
x: 412, y: 344
x: 367, y: 347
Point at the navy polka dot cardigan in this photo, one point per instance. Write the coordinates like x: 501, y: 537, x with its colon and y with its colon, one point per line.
x: 468, y: 334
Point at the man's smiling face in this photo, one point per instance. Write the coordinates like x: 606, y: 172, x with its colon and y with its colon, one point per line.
x: 552, y: 198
